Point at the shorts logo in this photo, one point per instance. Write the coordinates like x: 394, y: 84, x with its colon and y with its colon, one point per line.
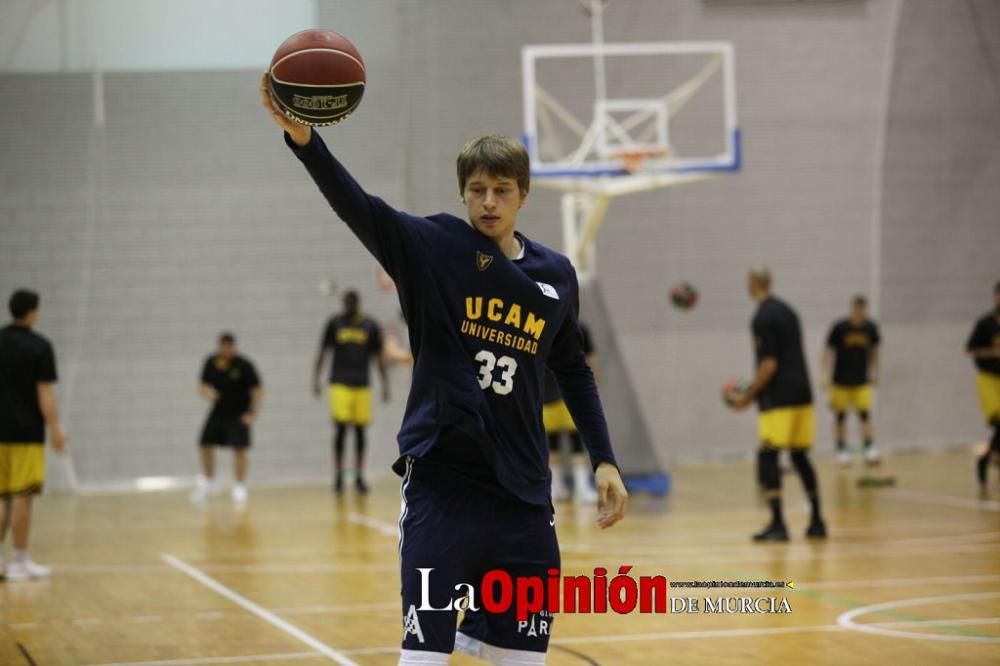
x: 548, y: 290
x: 483, y: 261
x: 411, y: 624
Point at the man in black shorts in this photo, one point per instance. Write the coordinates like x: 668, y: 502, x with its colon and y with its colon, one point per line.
x: 354, y: 340
x: 230, y: 382
x: 784, y: 397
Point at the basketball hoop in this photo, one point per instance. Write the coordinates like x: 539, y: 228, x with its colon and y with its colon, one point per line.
x: 634, y: 159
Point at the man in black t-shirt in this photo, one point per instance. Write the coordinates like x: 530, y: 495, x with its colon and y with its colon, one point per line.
x: 558, y: 421
x: 784, y: 397
x: 27, y: 406
x: 230, y: 382
x: 354, y: 340
x: 984, y: 347
x: 852, y: 348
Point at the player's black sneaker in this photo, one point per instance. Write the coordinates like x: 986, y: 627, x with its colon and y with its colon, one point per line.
x: 361, y: 486
x: 817, y: 529
x: 773, y: 532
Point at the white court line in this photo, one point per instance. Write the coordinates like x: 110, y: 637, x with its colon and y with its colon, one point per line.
x: 215, y: 660
x: 894, y: 582
x: 22, y: 625
x: 945, y: 500
x: 262, y: 613
x: 846, y: 620
x: 388, y: 529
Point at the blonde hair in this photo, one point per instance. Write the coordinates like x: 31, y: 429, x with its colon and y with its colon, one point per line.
x: 499, y: 156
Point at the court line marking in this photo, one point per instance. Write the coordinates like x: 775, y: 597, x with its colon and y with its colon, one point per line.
x: 386, y: 528
x: 894, y: 582
x: 846, y: 620
x: 260, y: 612
x: 944, y: 500
x: 215, y: 660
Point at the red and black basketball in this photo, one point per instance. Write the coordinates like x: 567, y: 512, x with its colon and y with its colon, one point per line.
x: 317, y: 77
x: 683, y: 295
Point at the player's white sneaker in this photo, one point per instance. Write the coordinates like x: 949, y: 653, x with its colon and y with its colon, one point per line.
x: 843, y: 458
x: 239, y: 493
x: 27, y: 570
x: 872, y: 456
x: 202, y: 490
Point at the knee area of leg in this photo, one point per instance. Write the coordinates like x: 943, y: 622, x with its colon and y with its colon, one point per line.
x: 841, y: 417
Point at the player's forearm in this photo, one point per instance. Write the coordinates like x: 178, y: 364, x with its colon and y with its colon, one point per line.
x: 765, y: 372
x: 383, y: 370
x: 256, y: 400
x: 368, y: 217
x: 207, y: 392
x: 984, y: 352
x: 579, y: 391
x: 48, y: 406
x: 826, y: 363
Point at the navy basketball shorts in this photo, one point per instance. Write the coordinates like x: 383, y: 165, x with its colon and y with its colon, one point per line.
x: 452, y: 534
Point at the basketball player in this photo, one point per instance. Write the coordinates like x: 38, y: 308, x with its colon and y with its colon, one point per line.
x: 354, y: 340
x: 230, y: 382
x: 27, y: 406
x: 488, y: 311
x: 984, y: 348
x: 784, y: 398
x: 852, y: 345
x: 558, y: 422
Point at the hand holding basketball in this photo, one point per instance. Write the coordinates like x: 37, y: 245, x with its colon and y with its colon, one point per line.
x: 299, y: 133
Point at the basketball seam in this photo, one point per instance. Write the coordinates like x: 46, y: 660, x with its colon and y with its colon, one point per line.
x: 336, y: 51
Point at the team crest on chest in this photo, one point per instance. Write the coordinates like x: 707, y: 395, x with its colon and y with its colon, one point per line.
x: 483, y: 261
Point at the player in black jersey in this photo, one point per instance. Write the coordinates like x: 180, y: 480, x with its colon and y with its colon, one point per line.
x: 984, y: 348
x: 230, y: 382
x: 852, y: 349
x: 784, y: 397
x: 354, y: 340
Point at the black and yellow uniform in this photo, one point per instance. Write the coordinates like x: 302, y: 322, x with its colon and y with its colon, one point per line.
x: 26, y: 359
x: 555, y: 414
x: 785, y: 403
x: 986, y: 334
x: 852, y: 346
x: 234, y: 380
x: 354, y: 340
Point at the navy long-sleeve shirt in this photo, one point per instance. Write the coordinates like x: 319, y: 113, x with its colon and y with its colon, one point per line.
x: 482, y: 330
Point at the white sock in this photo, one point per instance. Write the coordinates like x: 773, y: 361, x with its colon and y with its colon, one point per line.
x: 20, y: 556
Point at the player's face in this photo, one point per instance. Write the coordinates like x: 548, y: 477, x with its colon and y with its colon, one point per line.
x: 227, y: 350
x: 492, y: 203
x: 859, y: 313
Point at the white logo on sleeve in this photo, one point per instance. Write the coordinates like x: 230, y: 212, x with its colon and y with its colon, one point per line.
x: 548, y: 290
x: 411, y: 624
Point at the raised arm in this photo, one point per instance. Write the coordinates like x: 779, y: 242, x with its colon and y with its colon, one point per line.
x: 388, y: 234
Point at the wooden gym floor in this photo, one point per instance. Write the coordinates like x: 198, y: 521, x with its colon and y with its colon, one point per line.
x: 911, y: 575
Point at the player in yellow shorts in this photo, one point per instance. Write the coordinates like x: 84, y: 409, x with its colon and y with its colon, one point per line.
x: 852, y: 348
x: 27, y: 405
x: 784, y: 397
x: 558, y: 422
x: 354, y: 340
x: 984, y: 347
